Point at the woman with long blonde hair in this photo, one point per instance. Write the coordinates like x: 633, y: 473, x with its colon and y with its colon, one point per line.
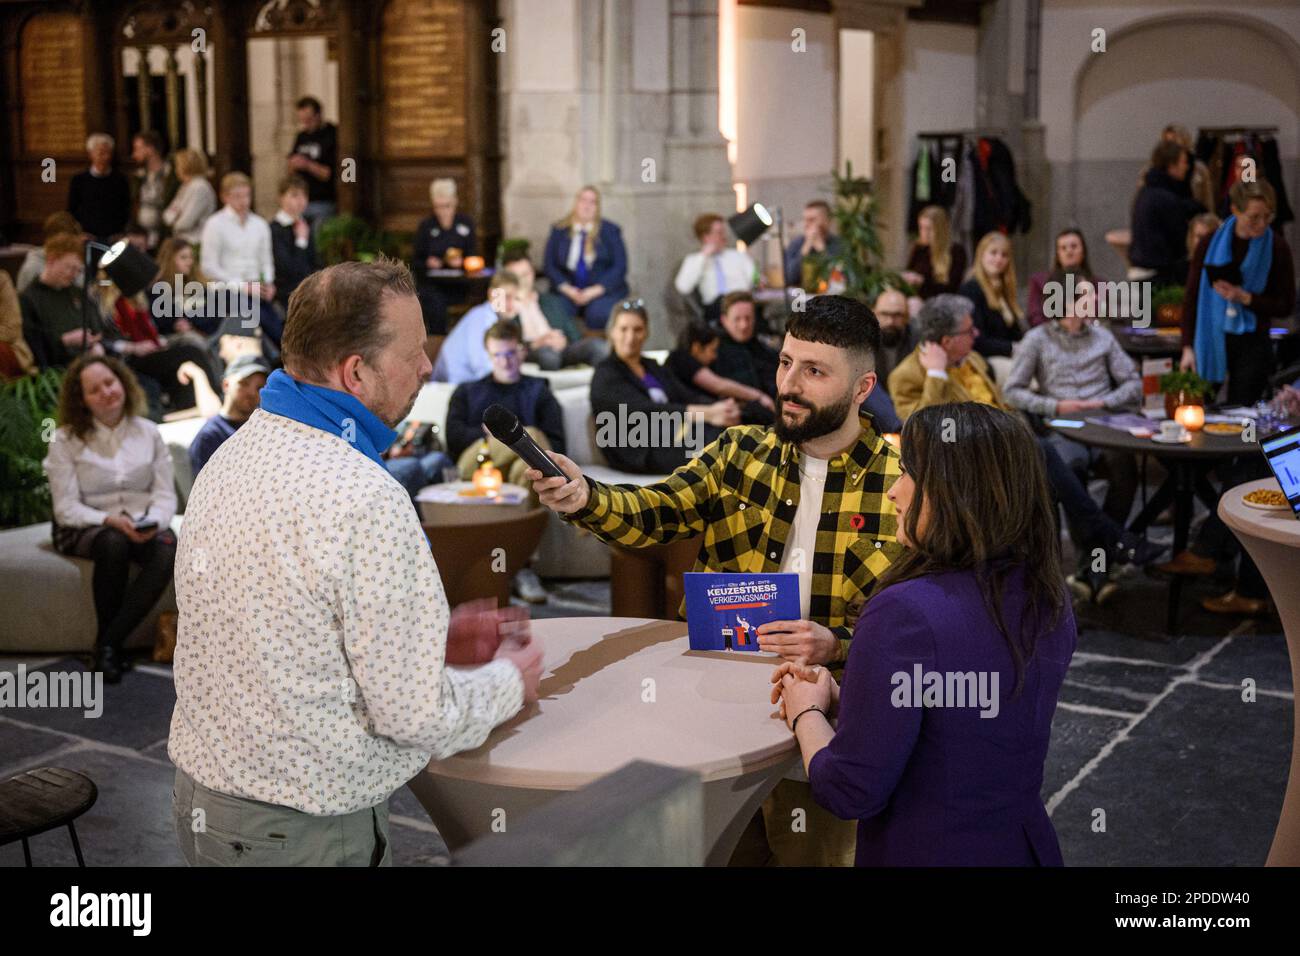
x: 586, y: 261
x: 195, y: 201
x: 992, y: 290
x: 936, y: 264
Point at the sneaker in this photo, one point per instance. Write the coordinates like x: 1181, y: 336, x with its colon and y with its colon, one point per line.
x: 1134, y: 549
x: 528, y: 586
x: 1092, y: 586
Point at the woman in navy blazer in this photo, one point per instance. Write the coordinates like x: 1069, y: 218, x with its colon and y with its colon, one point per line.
x: 590, y: 282
x: 956, y: 663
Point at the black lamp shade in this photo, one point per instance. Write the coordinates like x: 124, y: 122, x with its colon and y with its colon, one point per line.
x: 129, y: 268
x: 750, y: 224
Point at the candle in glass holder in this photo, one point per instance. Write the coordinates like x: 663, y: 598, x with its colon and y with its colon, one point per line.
x: 1191, y: 417
x: 487, y: 480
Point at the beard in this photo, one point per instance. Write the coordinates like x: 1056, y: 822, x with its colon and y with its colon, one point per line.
x: 820, y: 420
x: 889, y: 337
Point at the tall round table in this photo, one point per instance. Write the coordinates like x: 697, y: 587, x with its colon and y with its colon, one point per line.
x: 1187, y: 465
x: 1273, y: 540
x: 616, y: 690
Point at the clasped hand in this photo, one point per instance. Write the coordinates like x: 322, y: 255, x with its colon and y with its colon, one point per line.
x: 797, y: 687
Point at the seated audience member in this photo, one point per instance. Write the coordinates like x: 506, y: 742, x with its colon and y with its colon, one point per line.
x: 293, y: 245
x: 241, y: 388
x: 935, y: 264
x: 314, y: 156
x: 463, y: 358
x: 586, y: 261
x: 111, y: 489
x: 155, y: 185
x: 416, y: 458
x: 236, y: 248
x: 628, y: 384
x: 442, y: 241
x: 742, y: 355
x: 816, y: 240
x: 992, y: 290
x: 1079, y: 368
x: 1160, y: 216
x: 527, y: 396
x: 944, y: 369
x: 690, y: 363
x: 978, y: 590
x: 550, y: 333
x: 1069, y: 256
x: 34, y: 262
x: 897, y: 337
x: 1198, y: 228
x: 716, y: 268
x: 753, y: 513
x: 16, y: 358
x: 190, y: 311
x: 100, y: 197
x: 194, y: 202
x: 1226, y: 326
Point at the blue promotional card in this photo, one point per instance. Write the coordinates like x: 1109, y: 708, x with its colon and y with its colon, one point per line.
x: 724, y: 611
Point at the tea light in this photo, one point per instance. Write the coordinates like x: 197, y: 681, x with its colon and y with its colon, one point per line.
x: 1191, y: 417
x: 487, y: 480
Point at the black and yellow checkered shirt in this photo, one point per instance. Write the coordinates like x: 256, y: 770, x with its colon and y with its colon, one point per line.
x: 742, y: 493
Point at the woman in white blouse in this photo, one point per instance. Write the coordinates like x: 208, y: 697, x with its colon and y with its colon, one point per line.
x: 111, y: 483
x: 195, y: 201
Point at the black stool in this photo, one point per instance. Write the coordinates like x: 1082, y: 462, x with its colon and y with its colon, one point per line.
x: 41, y: 800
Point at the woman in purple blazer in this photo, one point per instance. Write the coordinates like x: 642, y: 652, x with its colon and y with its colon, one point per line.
x: 957, y: 660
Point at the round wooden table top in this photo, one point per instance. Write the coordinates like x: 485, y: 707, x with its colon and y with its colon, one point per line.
x: 1204, y: 445
x: 1280, y: 526
x: 621, y: 689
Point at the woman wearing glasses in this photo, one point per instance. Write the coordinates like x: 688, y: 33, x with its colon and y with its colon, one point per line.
x: 1241, y: 279
x: 631, y: 394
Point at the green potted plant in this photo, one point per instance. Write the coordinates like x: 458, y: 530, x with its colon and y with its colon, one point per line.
x: 1183, y: 388
x: 28, y: 408
x: 1168, y: 305
x: 861, y: 265
x: 510, y: 246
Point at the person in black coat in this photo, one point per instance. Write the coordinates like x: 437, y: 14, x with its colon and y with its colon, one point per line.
x: 630, y: 394
x: 100, y: 197
x: 1160, y: 215
x: 292, y: 244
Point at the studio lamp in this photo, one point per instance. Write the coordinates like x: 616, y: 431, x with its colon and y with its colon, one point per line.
x: 129, y: 268
x: 750, y: 225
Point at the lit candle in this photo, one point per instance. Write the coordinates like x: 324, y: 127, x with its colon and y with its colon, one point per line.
x: 487, y: 480
x: 1191, y: 417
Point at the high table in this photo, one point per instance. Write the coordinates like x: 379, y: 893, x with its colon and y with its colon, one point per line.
x: 1273, y: 540
x: 1187, y: 466
x: 616, y: 690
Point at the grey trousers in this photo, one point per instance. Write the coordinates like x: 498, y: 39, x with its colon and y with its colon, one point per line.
x: 233, y: 831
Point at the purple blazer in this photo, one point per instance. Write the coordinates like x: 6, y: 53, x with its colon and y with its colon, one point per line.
x: 944, y: 786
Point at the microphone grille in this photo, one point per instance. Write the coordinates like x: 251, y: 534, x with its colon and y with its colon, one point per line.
x: 502, y: 423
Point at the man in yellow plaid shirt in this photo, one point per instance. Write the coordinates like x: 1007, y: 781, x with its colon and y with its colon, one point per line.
x: 805, y: 496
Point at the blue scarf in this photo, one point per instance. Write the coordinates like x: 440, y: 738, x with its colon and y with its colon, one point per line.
x: 334, y: 412
x: 1212, y: 319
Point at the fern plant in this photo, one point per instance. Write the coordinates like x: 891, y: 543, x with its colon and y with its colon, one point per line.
x: 27, y: 414
x: 861, y: 262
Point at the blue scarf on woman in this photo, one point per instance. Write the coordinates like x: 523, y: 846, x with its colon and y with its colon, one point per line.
x: 1212, y: 319
x: 335, y: 412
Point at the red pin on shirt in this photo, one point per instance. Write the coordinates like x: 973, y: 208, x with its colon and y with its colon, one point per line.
x: 857, y: 522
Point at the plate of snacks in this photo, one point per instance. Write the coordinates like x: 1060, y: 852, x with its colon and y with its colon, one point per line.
x: 1224, y: 428
x: 1266, y: 499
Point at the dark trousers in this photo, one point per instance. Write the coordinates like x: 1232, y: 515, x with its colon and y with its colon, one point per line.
x: 120, y: 603
x: 1089, y: 525
x: 1216, y: 539
x: 162, y: 365
x: 1250, y: 363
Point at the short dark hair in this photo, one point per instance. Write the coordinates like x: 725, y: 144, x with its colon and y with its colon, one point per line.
x: 1166, y: 154
x: 821, y: 204
x: 335, y: 313
x: 704, y: 223
x: 151, y: 138
x: 503, y: 331
x: 292, y: 182
x: 839, y: 321
x: 308, y: 101
x: 697, y: 333
x: 731, y: 298
x: 516, y: 254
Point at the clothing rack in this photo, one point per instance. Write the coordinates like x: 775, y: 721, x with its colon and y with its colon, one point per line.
x: 1226, y: 130
x: 976, y: 132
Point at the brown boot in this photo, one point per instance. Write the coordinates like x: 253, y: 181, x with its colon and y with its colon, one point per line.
x: 165, y: 643
x: 1188, y: 563
x: 1234, y: 603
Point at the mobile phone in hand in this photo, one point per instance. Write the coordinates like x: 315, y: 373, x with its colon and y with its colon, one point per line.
x: 146, y: 524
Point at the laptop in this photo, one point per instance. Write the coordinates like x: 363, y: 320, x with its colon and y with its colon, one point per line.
x: 1282, y: 452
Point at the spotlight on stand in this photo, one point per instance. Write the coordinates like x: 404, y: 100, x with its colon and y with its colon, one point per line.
x: 750, y: 225
x: 129, y: 268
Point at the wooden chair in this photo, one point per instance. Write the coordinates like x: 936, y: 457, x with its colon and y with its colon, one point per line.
x: 42, y: 800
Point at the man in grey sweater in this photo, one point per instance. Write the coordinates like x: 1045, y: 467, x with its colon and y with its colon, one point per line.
x: 1079, y: 367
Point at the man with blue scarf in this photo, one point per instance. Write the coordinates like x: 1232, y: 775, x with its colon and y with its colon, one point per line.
x: 318, y: 667
x: 1226, y: 325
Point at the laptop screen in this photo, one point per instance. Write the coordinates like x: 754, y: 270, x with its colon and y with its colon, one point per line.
x: 1283, y: 454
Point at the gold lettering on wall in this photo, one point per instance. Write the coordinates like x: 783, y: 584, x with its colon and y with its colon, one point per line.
x: 422, y: 58
x: 52, y: 85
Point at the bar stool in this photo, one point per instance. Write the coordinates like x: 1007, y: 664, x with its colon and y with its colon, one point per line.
x: 41, y: 800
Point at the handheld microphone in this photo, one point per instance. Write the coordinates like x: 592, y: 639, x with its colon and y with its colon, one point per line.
x: 505, y: 428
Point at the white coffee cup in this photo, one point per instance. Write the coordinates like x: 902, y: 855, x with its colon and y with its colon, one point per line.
x: 1171, y: 430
